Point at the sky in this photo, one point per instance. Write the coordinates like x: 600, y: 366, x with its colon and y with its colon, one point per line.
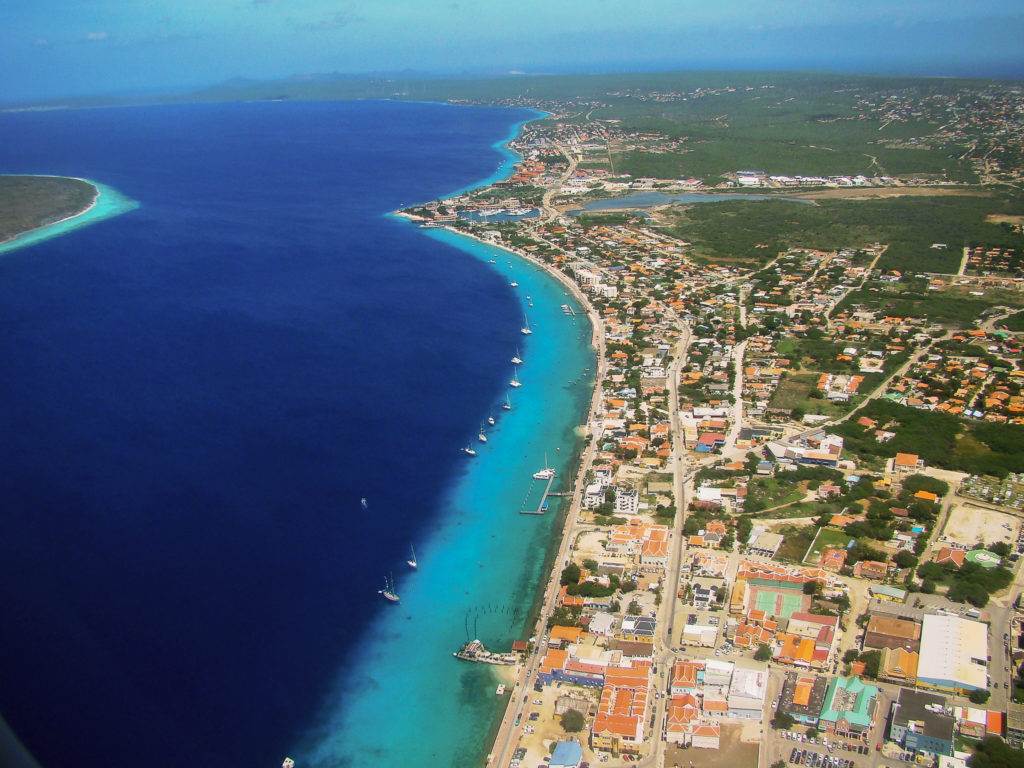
x: 56, y: 48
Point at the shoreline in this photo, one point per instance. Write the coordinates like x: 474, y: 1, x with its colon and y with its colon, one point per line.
x: 83, y: 212
x: 546, y: 589
x: 106, y: 203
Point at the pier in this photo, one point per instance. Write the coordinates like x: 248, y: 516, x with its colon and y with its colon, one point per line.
x: 529, y: 508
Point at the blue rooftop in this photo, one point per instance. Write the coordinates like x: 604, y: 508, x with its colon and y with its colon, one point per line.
x: 567, y: 754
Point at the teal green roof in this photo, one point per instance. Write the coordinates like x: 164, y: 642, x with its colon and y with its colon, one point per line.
x: 983, y: 557
x: 850, y: 699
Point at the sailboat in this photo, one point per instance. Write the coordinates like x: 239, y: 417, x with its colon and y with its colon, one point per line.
x: 514, y: 284
x: 468, y: 450
x: 507, y: 405
x: 412, y: 560
x: 482, y: 437
x: 517, y: 360
x: 544, y: 474
x: 389, y: 591
x: 525, y: 330
x: 490, y: 419
x: 364, y: 503
x: 515, y: 381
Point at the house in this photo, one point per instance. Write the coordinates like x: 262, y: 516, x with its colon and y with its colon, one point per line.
x: 566, y: 754
x: 950, y: 555
x: 899, y: 665
x: 687, y: 677
x: 638, y: 629
x: 764, y: 543
x: 803, y: 694
x: 902, y: 465
x: 833, y: 559
x: 885, y: 631
x: 919, y: 722
x: 849, y: 707
x: 870, y: 569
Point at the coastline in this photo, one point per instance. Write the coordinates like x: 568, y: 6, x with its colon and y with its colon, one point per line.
x: 547, y: 589
x: 106, y: 203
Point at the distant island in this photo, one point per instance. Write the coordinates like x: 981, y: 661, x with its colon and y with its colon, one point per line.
x: 31, y: 202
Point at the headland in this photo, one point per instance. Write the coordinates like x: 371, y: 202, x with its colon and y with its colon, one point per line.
x: 37, y: 208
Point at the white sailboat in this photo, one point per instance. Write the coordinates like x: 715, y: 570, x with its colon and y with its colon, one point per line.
x: 525, y: 330
x: 389, y: 592
x: 544, y: 474
x: 515, y: 381
x: 412, y: 560
x: 514, y: 284
x: 490, y: 419
x: 364, y: 503
x: 507, y: 405
x: 468, y: 450
x: 517, y: 360
x: 482, y: 437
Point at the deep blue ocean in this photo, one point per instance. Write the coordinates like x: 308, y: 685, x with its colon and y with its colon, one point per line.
x: 195, y: 395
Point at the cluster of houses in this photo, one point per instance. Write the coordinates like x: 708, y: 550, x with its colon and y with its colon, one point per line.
x: 973, y: 375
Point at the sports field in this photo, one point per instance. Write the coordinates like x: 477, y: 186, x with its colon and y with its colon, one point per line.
x: 778, y: 603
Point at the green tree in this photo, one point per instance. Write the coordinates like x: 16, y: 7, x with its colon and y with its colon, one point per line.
x: 979, y: 697
x: 904, y: 559
x: 570, y: 574
x: 634, y: 608
x: 573, y: 721
x: 763, y: 653
x: 782, y: 721
x: 993, y: 752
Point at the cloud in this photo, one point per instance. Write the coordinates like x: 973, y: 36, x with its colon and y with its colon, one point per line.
x: 96, y: 36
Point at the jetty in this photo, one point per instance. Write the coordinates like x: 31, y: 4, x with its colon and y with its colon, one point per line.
x: 541, y: 506
x: 475, y: 650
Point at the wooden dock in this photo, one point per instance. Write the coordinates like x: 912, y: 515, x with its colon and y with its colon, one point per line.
x: 540, y: 509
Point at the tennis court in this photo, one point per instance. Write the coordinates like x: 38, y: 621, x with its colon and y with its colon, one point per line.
x: 780, y: 604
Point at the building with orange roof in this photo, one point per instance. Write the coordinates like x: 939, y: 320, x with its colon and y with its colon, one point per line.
x: 560, y: 635
x: 685, y: 676
x: 803, y: 694
x: 950, y: 555
x: 833, y: 559
x: 926, y: 496
x: 899, y: 665
x: 623, y: 710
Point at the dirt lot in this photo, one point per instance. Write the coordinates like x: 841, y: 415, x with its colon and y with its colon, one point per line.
x: 733, y: 753
x: 969, y: 524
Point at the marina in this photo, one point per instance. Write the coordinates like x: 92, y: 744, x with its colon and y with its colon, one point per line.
x: 543, y: 485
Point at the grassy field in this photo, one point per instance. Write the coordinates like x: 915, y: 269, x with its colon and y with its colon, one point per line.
x: 28, y: 202
x: 756, y: 231
x: 827, y: 537
x: 793, y: 390
x: 796, y: 540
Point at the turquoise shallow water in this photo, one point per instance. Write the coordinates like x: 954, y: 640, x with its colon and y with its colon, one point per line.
x: 109, y: 203
x: 479, y: 572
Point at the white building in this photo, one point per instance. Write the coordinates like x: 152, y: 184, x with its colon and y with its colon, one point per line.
x: 746, y: 693
x: 627, y: 501
x: 954, y: 654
